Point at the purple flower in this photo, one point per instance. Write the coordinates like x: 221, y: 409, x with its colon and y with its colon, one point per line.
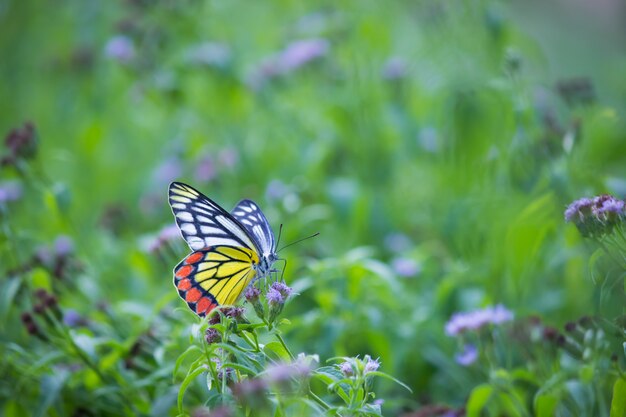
x: 605, y: 205
x: 120, y: 48
x: 10, y: 191
x: 166, y: 235
x: 63, y: 246
x: 395, y: 68
x: 405, y: 267
x: 212, y: 336
x: 468, y: 356
x: 274, y: 297
x: 301, y: 52
x: 371, y: 365
x: 476, y: 319
x: 282, y: 288
x: 294, y: 56
x: 228, y: 157
x: 283, y: 372
x: 21, y: 143
x: 346, y: 369
x: 577, y: 210
x: 71, y: 318
x: 276, y: 190
x: 168, y: 171
x: 252, y: 293
x: 205, y: 170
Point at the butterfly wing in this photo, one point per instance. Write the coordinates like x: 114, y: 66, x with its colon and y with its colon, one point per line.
x: 203, y: 223
x: 214, y: 276
x: 253, y: 219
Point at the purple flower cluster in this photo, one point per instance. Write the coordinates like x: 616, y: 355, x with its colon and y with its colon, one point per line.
x: 595, y: 217
x: 120, y: 48
x: 477, y: 319
x: 294, y: 56
x: 468, y: 356
x: 10, y: 191
x: 351, y: 366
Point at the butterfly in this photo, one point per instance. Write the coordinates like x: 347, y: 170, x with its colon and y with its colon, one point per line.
x: 230, y: 250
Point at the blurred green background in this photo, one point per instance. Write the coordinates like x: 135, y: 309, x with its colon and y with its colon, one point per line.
x: 433, y: 144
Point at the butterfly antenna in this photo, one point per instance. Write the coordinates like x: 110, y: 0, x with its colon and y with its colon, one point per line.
x: 280, y: 232
x: 298, y: 241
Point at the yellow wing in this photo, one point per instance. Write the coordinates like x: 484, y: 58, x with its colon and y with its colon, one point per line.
x: 214, y: 276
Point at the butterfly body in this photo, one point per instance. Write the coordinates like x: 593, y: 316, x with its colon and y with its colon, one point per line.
x: 230, y: 250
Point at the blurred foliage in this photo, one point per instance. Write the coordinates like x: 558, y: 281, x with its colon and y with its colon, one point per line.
x: 433, y: 144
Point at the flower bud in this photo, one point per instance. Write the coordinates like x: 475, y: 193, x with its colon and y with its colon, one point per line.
x: 212, y: 336
x: 252, y: 295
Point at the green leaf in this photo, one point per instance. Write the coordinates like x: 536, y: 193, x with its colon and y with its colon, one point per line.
x: 51, y: 386
x: 545, y: 405
x: 10, y: 287
x: 478, y: 399
x: 277, y: 350
x: 389, y: 377
x: 185, y: 384
x: 191, y: 349
x: 618, y: 404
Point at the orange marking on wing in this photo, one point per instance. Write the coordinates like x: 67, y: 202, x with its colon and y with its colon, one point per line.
x: 184, y: 271
x: 194, y: 257
x: 204, y: 305
x: 193, y: 295
x: 184, y: 284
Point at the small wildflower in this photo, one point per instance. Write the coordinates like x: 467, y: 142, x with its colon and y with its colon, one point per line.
x: 205, y: 170
x: 570, y: 326
x: 576, y: 91
x: 371, y: 365
x: 120, y: 48
x: 595, y: 217
x: 282, y: 288
x: 39, y: 309
x: 63, y: 246
x: 212, y: 336
x: 578, y: 209
x: 605, y: 206
x: 168, y: 170
x: 226, y: 373
x: 274, y: 297
x: 228, y: 157
x: 276, y: 301
x: 41, y: 293
x: 346, y: 369
x: 276, y: 190
x: 468, y: 356
x: 71, y: 318
x: 114, y: 218
x: 251, y: 392
x: 475, y: 320
x: 167, y: 235
x: 221, y: 411
x: 10, y: 191
x: 405, y: 267
x: 235, y: 313
x: 550, y: 334
x: 301, y: 52
x: 395, y: 68
x: 284, y: 372
x: 22, y: 142
x: 252, y: 295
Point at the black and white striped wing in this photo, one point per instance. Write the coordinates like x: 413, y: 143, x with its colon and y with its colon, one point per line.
x: 253, y: 219
x: 203, y: 223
